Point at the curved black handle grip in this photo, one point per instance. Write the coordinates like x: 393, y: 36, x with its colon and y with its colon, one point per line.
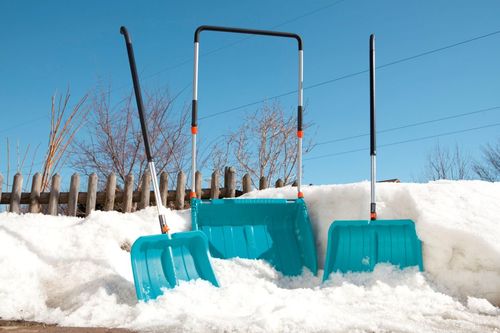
x: 197, y: 32
x: 137, y: 90
x: 248, y: 32
x: 124, y: 31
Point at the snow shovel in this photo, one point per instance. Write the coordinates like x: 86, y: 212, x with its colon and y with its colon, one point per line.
x: 357, y: 246
x: 275, y: 230
x: 161, y: 261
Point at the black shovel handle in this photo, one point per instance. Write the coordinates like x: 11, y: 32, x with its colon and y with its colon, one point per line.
x: 373, y: 149
x: 140, y: 108
x: 137, y: 90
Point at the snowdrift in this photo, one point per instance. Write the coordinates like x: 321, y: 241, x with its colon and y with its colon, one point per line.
x: 77, y: 272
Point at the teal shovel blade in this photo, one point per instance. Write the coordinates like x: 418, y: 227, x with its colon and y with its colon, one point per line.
x: 275, y: 230
x: 161, y: 261
x: 357, y: 246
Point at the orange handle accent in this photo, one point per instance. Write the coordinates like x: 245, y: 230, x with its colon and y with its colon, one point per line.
x: 373, y: 216
x: 300, y: 195
x: 192, y: 195
x: 194, y: 129
x: 165, y: 229
x: 300, y: 134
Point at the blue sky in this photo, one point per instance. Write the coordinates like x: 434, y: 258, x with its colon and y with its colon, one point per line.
x: 50, y: 45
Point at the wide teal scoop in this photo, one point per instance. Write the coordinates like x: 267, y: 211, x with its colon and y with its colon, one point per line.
x: 161, y: 261
x: 357, y: 246
x: 275, y: 230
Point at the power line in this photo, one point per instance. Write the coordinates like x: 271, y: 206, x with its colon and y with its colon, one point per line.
x: 350, y: 75
x: 405, y: 141
x: 425, y: 122
x: 22, y: 124
x: 238, y: 41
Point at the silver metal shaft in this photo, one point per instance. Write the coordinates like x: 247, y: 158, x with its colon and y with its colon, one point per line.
x: 373, y: 178
x: 156, y: 188
x: 195, y: 98
x: 300, y: 102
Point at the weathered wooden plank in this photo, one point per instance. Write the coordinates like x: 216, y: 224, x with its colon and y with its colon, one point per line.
x: 206, y: 193
x: 15, y: 199
x: 214, y: 186
x: 55, y: 191
x: 128, y: 194
x: 198, y: 180
x: 247, y: 183
x: 163, y: 188
x: 91, y: 194
x: 36, y: 186
x: 180, y: 190
x: 1, y: 186
x: 73, y: 194
x: 109, y: 201
x: 262, y: 183
x: 279, y: 183
x: 145, y: 190
x: 231, y: 183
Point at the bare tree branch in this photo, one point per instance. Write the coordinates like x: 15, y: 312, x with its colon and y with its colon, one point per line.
x: 264, y: 145
x: 116, y: 143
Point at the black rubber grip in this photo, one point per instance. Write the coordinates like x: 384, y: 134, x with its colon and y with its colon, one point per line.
x: 194, y: 113
x: 373, y: 143
x: 137, y: 90
x: 248, y: 32
x: 299, y: 117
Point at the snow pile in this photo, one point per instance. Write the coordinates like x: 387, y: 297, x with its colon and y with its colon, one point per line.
x: 458, y: 223
x: 77, y: 272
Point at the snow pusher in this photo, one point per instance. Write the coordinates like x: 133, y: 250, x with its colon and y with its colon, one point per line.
x: 161, y: 261
x: 275, y: 230
x: 357, y: 246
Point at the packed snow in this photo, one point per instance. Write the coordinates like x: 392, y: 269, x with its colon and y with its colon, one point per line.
x: 77, y: 272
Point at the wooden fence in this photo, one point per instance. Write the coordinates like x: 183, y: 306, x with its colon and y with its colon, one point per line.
x: 76, y: 203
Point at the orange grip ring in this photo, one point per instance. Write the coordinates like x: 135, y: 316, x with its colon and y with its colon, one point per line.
x: 373, y: 216
x: 300, y: 134
x: 194, y: 129
x: 165, y: 229
x: 192, y: 195
x: 300, y: 195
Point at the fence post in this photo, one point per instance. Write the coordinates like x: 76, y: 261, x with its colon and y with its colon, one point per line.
x: 36, y: 185
x: 231, y: 183
x: 15, y: 199
x: 1, y: 185
x: 198, y: 181
x: 163, y: 188
x: 74, y: 186
x: 247, y: 183
x: 180, y: 192
x: 145, y: 190
x: 262, y: 183
x: 214, y: 185
x: 55, y: 190
x: 226, y: 172
x: 128, y: 194
x: 279, y: 183
x: 91, y: 194
x: 109, y: 202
